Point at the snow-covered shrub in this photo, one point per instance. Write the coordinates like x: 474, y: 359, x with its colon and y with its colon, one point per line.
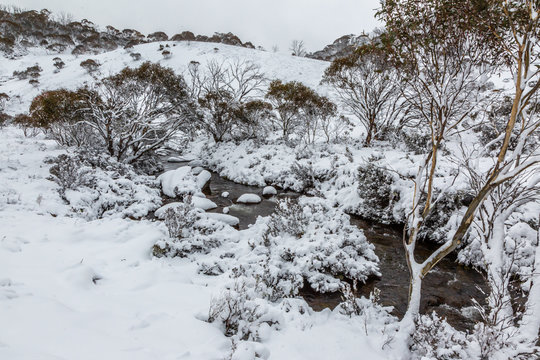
x: 90, y: 65
x: 436, y: 225
x: 373, y: 315
x: 97, y: 186
x: 435, y: 339
x: 309, y: 176
x: 32, y: 72
x: 375, y: 191
x: 241, y: 312
x: 190, y: 231
x: 307, y: 243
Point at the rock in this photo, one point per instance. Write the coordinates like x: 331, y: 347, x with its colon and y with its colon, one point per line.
x: 227, y: 219
x: 197, y: 170
x: 179, y: 181
x: 225, y: 210
x: 225, y: 194
x: 203, y: 203
x: 203, y: 177
x: 269, y: 191
x: 249, y: 199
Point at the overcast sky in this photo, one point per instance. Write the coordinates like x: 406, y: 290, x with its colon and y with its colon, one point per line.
x: 263, y: 22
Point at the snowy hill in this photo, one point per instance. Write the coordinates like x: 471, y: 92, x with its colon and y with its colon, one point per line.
x: 274, y: 66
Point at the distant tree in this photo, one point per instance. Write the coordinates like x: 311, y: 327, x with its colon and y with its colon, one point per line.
x: 221, y: 90
x: 166, y: 54
x: 297, y: 48
x: 90, y: 65
x: 368, y: 87
x: 58, y: 64
x: 289, y: 101
x: 135, y: 56
x: 31, y: 72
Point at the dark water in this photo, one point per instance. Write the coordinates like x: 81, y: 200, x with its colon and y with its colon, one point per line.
x: 448, y: 289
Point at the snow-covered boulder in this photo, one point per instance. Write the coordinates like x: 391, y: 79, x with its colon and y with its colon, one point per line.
x: 178, y: 182
x: 249, y: 199
x: 203, y: 203
x: 227, y: 219
x: 269, y: 191
x: 202, y: 178
x: 199, y: 203
x: 225, y: 194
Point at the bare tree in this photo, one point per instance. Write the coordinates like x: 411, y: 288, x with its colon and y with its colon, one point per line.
x: 298, y: 48
x: 222, y: 89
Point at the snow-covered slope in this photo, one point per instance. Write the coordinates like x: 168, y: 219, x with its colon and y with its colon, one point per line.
x: 275, y: 66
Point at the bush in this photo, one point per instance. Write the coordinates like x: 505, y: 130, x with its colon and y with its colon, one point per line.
x: 32, y: 72
x: 97, y: 186
x: 190, y: 231
x: 61, y: 115
x: 90, y: 65
x: 240, y: 312
x: 307, y: 243
x: 435, y: 339
x: 375, y: 190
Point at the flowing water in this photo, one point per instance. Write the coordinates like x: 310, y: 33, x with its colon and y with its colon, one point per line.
x: 449, y: 289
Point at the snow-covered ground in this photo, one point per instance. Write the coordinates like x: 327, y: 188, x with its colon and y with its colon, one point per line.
x: 77, y: 289
x: 85, y: 288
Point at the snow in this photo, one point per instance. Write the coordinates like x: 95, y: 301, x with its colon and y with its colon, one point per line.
x: 227, y: 219
x: 249, y: 199
x: 225, y: 194
x: 269, y: 190
x: 81, y: 288
x: 200, y: 203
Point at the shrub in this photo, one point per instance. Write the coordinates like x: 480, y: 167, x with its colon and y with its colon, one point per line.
x: 32, y: 72
x: 90, y: 65
x: 435, y: 339
x: 240, y: 312
x: 58, y: 64
x: 307, y: 243
x: 95, y: 186
x: 375, y: 190
x: 61, y: 114
x: 190, y: 231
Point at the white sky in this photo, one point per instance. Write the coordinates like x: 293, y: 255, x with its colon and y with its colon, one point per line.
x: 263, y: 22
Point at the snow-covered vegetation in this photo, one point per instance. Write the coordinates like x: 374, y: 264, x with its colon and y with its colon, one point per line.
x: 430, y: 124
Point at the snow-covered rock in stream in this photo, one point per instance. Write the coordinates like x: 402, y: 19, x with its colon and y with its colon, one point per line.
x: 269, y: 191
x: 178, y: 182
x: 227, y: 219
x: 198, y: 202
x: 225, y: 194
x: 203, y: 203
x: 202, y: 178
x: 183, y: 181
x: 249, y: 199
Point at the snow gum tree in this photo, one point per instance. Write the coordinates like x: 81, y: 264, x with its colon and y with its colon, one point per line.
x: 443, y: 47
x: 368, y: 87
x: 138, y: 110
x: 299, y: 109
